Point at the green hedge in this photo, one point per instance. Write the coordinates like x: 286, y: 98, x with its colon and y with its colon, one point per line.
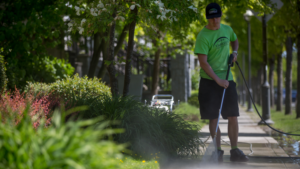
x: 71, y: 89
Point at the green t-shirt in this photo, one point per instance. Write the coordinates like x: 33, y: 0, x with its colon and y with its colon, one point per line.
x: 215, y: 44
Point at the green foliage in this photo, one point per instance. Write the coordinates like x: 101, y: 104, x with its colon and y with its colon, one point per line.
x: 36, y: 69
x: 3, y: 79
x: 129, y: 163
x: 154, y: 131
x: 193, y: 100
x: 61, y: 145
x: 191, y: 114
x: 294, y: 71
x: 148, y: 130
x: 28, y: 26
x: 195, y: 78
x: 285, y: 123
x: 283, y: 23
x: 145, y: 127
x: 113, y: 108
x: 73, y: 89
x: 76, y: 87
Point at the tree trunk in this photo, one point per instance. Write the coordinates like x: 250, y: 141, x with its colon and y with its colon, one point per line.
x: 254, y: 93
x: 104, y: 50
x: 121, y: 39
x: 96, y: 55
x: 288, y: 80
x: 258, y: 85
x: 298, y: 71
x: 279, y: 83
x: 156, y: 67
x: 111, y: 67
x: 129, y: 52
x: 271, y: 80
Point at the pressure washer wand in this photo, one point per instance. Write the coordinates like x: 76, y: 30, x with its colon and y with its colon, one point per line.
x: 230, y: 64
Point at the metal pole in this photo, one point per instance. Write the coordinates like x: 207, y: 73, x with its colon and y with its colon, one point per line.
x: 243, y: 89
x: 249, y: 67
x: 265, y: 87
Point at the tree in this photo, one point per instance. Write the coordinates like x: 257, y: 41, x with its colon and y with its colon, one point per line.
x: 171, y: 18
x: 27, y: 28
x: 100, y: 14
x: 271, y: 79
x: 228, y: 5
x: 133, y: 14
x: 288, y: 18
x: 283, y: 24
x: 288, y: 76
x: 93, y: 14
x: 279, y: 82
x: 298, y: 67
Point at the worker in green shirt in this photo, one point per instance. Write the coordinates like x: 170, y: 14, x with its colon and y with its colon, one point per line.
x: 212, y: 48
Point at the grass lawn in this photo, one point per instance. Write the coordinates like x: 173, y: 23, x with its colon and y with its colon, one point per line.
x: 282, y: 122
x: 190, y: 113
x: 129, y: 163
x: 190, y: 110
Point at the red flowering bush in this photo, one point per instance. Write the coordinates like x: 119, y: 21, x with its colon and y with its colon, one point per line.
x: 13, y: 105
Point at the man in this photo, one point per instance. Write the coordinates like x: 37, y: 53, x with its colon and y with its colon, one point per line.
x: 212, y: 48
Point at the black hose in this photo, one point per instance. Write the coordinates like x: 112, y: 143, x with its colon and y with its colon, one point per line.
x: 256, y: 108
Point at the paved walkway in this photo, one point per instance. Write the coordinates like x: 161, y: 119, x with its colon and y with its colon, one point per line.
x: 266, y: 151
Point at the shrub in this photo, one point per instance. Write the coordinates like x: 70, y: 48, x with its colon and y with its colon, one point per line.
x: 148, y: 130
x: 13, y: 105
x: 74, y: 88
x: 62, y: 145
x: 154, y: 133
x: 36, y: 69
x: 71, y: 88
x: 112, y: 108
x: 74, y: 91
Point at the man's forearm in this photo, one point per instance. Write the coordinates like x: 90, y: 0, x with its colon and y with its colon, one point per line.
x: 235, y: 45
x: 209, y: 71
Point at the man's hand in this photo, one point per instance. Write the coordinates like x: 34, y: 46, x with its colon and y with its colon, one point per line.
x: 223, y: 83
x: 234, y: 57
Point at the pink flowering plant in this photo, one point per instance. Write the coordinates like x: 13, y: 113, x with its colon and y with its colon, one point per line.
x: 13, y: 105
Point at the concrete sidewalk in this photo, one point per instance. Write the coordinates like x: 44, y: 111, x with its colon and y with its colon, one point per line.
x: 266, y: 151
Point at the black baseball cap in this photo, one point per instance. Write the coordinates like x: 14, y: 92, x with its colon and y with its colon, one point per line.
x: 213, y: 10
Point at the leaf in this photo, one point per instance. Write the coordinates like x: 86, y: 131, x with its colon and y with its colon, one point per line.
x: 26, y: 45
x: 106, y: 62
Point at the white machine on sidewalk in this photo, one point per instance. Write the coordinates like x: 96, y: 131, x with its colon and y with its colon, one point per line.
x: 163, y: 101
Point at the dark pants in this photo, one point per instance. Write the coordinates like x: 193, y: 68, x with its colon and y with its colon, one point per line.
x: 210, y: 97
